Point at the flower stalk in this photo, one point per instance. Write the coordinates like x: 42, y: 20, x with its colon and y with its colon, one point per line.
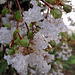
x: 19, y: 7
x: 47, y: 4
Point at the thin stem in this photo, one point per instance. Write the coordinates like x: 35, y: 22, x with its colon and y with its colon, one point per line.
x: 32, y: 28
x: 12, y: 12
x: 17, y: 28
x: 19, y: 7
x: 61, y: 4
x: 19, y: 36
x: 47, y: 13
x: 47, y: 4
x: 9, y: 7
x: 22, y: 13
x: 17, y: 24
x: 12, y: 43
x: 7, y: 3
x: 27, y: 26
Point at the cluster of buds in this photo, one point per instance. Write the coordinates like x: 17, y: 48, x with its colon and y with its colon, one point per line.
x: 56, y: 12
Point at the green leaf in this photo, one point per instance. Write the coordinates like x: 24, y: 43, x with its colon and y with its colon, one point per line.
x: 30, y: 25
x: 60, y: 44
x: 18, y: 15
x: 54, y: 51
x: 71, y: 60
x: 66, y: 66
x: 52, y: 43
x: 3, y: 65
x: 58, y: 62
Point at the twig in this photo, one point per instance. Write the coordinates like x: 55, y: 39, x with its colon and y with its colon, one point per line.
x: 7, y: 3
x: 27, y: 26
x: 47, y: 4
x: 19, y: 7
x: 47, y: 13
x: 32, y: 29
x: 9, y: 7
x: 22, y: 13
x: 17, y: 28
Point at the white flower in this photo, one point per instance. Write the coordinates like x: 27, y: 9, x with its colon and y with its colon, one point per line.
x: 18, y: 62
x: 2, y: 1
x: 64, y: 57
x: 32, y: 15
x: 5, y: 35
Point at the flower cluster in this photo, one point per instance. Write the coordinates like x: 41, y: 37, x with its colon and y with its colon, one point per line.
x: 29, y: 35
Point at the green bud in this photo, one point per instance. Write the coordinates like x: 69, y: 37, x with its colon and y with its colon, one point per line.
x: 7, y: 25
x: 51, y: 1
x: 4, y: 11
x: 29, y: 35
x: 9, y: 11
x: 15, y: 32
x: 56, y: 13
x: 24, y: 42
x: 14, y: 48
x: 18, y: 15
x: 10, y: 52
x: 67, y: 8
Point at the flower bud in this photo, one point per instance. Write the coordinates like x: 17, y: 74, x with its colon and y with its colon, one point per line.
x: 7, y: 25
x: 67, y: 8
x: 56, y: 13
x: 24, y: 42
x: 10, y: 52
x: 18, y: 15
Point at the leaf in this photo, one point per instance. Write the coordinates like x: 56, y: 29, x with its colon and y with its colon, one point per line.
x: 30, y: 25
x: 71, y: 60
x: 3, y: 65
x: 58, y: 62
x: 1, y: 54
x: 52, y: 43
x: 54, y: 51
x: 58, y: 45
x: 66, y: 66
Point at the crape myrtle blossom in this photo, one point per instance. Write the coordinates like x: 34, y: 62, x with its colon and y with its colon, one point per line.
x: 40, y: 59
x: 18, y: 62
x: 33, y: 14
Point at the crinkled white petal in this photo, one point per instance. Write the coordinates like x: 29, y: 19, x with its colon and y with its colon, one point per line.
x: 18, y: 62
x: 33, y: 14
x: 2, y: 1
x: 5, y: 35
